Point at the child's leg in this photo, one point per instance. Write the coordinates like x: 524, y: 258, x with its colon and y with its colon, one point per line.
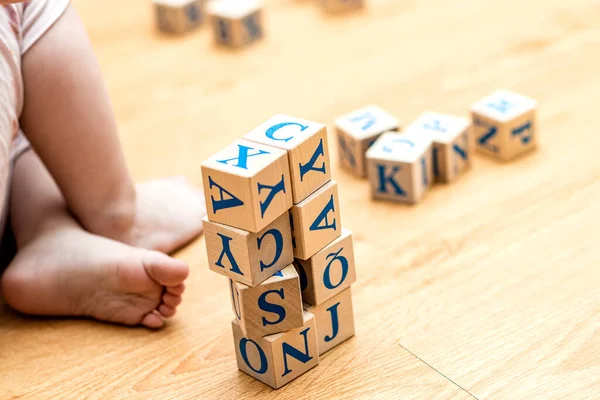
x: 68, y: 118
x: 60, y: 269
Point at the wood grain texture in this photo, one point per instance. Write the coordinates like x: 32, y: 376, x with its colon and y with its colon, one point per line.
x: 493, y: 280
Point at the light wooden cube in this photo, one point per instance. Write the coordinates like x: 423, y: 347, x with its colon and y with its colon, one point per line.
x: 247, y: 185
x: 280, y: 358
x: 271, y: 307
x: 335, y: 320
x: 178, y: 16
x: 453, y: 143
x: 356, y: 132
x: 246, y: 257
x: 338, y: 6
x: 505, y: 124
x: 307, y: 147
x: 329, y: 272
x: 236, y: 23
x: 316, y: 221
x: 400, y: 167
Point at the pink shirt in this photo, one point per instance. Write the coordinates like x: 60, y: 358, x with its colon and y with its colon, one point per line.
x: 21, y: 25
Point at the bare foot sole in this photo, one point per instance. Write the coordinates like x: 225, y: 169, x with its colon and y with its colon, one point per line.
x: 69, y: 272
x: 169, y: 215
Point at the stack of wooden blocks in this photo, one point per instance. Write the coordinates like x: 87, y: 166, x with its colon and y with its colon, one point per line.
x: 402, y: 166
x: 273, y: 228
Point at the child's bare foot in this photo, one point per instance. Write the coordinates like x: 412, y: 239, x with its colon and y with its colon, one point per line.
x: 70, y: 272
x: 168, y: 215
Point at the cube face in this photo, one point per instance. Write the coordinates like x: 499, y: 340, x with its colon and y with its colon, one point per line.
x: 505, y: 124
x: 329, y: 272
x: 335, y: 321
x: 271, y: 307
x: 246, y: 257
x: 278, y: 359
x: 307, y: 147
x: 316, y: 221
x: 236, y: 23
x: 400, y: 167
x: 178, y: 16
x: 453, y: 143
x: 338, y: 6
x: 247, y: 185
x: 356, y: 132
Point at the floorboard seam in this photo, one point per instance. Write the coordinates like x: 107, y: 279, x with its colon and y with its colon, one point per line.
x: 430, y: 366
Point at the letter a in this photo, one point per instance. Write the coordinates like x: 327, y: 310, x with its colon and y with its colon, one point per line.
x: 279, y: 187
x: 310, y: 165
x: 223, y: 202
x: 294, y: 352
x: 324, y: 215
x: 226, y: 252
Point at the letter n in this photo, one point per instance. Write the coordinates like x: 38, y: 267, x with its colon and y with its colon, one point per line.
x: 291, y: 351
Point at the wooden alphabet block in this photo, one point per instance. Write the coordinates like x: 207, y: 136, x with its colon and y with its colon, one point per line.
x: 178, y: 16
x: 356, y: 132
x: 400, y: 167
x: 247, y: 185
x: 335, y: 320
x: 246, y: 257
x: 505, y: 124
x: 306, y: 144
x: 271, y: 307
x: 316, y: 221
x: 453, y: 143
x: 278, y: 359
x: 329, y: 272
x: 339, y: 6
x: 236, y: 23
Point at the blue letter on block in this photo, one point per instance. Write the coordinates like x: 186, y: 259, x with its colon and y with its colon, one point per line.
x: 385, y: 179
x: 278, y: 237
x: 223, y: 203
x: 526, y: 127
x: 227, y: 252
x: 264, y: 364
x: 424, y: 171
x: 346, y: 151
x: 501, y: 105
x: 370, y: 120
x: 252, y: 26
x: 236, y: 304
x: 273, y: 190
x: 294, y: 352
x: 191, y: 12
x: 223, y: 28
x: 434, y: 125
x: 324, y: 215
x: 243, y: 156
x: 303, y: 276
x: 310, y: 165
x: 327, y: 273
x: 264, y: 305
x: 335, y: 325
x: 271, y: 131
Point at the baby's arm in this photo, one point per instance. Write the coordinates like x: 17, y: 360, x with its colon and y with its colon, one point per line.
x: 69, y: 121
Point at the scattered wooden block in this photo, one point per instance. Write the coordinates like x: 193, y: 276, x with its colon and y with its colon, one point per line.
x: 356, y: 132
x: 306, y: 143
x: 236, y: 23
x: 178, y: 16
x: 339, y: 6
x: 329, y: 272
x: 400, y: 167
x: 505, y: 124
x: 271, y: 307
x: 335, y: 320
x: 246, y: 257
x: 247, y: 185
x: 316, y: 221
x: 280, y: 358
x: 453, y: 143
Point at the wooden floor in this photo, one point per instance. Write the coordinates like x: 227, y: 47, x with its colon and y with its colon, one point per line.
x: 488, y: 289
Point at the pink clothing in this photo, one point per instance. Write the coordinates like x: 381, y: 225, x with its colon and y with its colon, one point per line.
x: 21, y: 25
